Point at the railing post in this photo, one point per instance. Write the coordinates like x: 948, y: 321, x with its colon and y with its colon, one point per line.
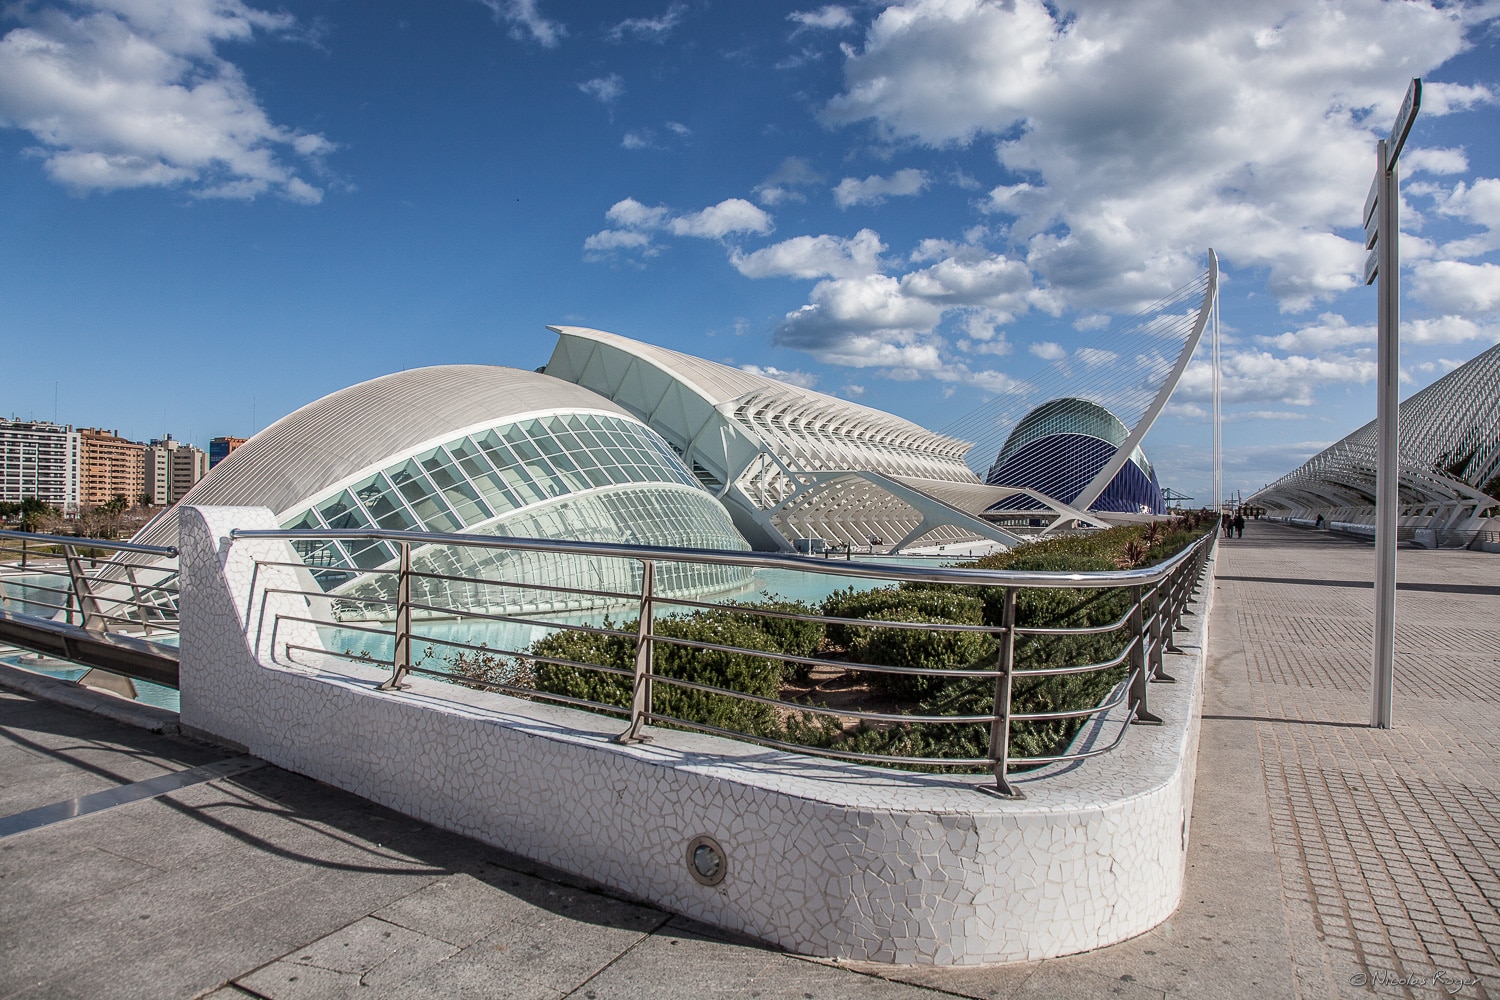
x: 88, y: 607
x: 401, y: 657
x: 1139, y: 660
x: 140, y: 600
x: 640, y: 698
x: 1000, y: 727
x: 1160, y: 633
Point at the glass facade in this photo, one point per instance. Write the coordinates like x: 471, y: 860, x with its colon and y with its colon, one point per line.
x: 573, y: 476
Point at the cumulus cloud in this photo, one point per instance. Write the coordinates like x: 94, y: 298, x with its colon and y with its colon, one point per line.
x: 1112, y: 120
x: 1262, y: 377
x: 830, y: 17
x: 1048, y: 351
x: 527, y: 22
x: 1453, y: 286
x: 732, y: 215
x: 1331, y: 331
x: 651, y: 29
x: 1434, y: 161
x: 634, y: 224
x: 875, y: 189
x: 136, y: 95
x: 814, y: 257
x: 805, y: 380
x: 604, y: 89
x: 880, y: 320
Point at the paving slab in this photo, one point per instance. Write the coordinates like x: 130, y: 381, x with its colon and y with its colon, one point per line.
x: 1326, y: 859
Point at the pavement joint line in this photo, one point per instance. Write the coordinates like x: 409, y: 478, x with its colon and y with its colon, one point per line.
x: 110, y: 798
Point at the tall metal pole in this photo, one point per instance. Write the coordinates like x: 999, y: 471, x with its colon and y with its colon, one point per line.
x: 1387, y: 475
x: 1217, y: 416
x: 1383, y: 233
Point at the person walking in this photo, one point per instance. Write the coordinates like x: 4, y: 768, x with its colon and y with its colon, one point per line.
x: 1239, y: 525
x: 1228, y: 523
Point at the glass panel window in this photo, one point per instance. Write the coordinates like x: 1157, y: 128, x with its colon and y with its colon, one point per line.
x: 380, y: 500
x: 483, y: 475
x: 461, y: 497
x: 343, y: 512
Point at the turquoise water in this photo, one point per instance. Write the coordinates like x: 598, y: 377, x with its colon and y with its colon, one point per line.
x: 145, y: 692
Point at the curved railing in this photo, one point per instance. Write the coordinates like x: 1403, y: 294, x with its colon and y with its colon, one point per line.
x: 646, y: 672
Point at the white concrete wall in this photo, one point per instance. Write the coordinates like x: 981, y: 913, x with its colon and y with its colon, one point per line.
x: 824, y: 858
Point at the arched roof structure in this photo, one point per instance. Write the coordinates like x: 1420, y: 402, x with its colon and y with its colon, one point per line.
x: 476, y: 449
x: 1449, y: 453
x: 788, y: 462
x: 1060, y: 446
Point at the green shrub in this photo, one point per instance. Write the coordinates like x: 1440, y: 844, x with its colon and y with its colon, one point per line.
x: 929, y: 649
x: 937, y: 602
x: 789, y: 635
x: 735, y: 671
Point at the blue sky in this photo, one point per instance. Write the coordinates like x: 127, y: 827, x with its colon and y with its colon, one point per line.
x: 216, y: 211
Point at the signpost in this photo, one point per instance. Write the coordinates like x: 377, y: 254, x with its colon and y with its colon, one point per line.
x: 1382, y: 240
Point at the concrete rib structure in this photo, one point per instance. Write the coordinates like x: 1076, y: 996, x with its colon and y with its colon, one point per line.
x: 788, y: 463
x: 1449, y: 460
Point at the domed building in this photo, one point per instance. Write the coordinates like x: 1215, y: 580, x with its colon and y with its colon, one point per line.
x: 473, y: 449
x: 1058, y: 448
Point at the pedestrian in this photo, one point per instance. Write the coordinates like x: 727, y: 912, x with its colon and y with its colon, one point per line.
x: 1228, y: 523
x: 1239, y: 525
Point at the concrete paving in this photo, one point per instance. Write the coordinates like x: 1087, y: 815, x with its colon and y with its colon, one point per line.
x: 1326, y: 859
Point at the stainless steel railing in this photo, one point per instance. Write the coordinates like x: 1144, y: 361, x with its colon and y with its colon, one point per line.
x: 1146, y: 606
x: 69, y: 579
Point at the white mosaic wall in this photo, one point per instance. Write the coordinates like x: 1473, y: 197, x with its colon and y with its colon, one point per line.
x: 824, y: 858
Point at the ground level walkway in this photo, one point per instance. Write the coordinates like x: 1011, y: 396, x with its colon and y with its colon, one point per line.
x: 1326, y: 859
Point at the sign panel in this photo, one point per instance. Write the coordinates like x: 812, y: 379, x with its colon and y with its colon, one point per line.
x: 1372, y: 199
x: 1372, y: 230
x: 1372, y: 265
x: 1404, y: 119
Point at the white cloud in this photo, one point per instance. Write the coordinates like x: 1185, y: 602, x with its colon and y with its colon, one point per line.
x: 829, y: 17
x: 604, y: 89
x: 1331, y: 331
x: 1452, y: 286
x: 652, y: 29
x: 1093, y: 356
x: 814, y: 257
x: 638, y: 140
x: 793, y: 377
x: 1262, y: 377
x: 1447, y: 330
x: 1434, y: 161
x: 875, y: 189
x: 1113, y: 120
x: 526, y: 21
x: 608, y: 241
x: 631, y: 213
x: 136, y: 95
x: 785, y: 182
x: 854, y: 391
x: 634, y: 224
x: 1048, y: 351
x: 732, y: 215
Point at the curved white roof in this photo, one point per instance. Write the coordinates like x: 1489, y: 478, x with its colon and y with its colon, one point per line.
x: 721, y: 385
x: 335, y: 437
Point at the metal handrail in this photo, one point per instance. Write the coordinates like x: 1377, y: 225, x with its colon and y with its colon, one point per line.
x: 729, y: 557
x: 1159, y: 596
x: 93, y: 543
x: 107, y: 600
